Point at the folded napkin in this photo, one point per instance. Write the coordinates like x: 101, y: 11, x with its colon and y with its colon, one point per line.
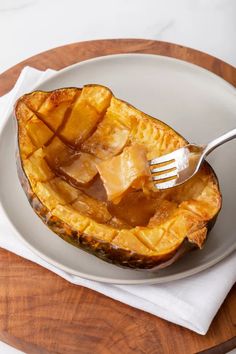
x: 181, y: 301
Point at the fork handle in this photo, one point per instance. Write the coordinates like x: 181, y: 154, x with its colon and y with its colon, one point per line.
x: 219, y: 141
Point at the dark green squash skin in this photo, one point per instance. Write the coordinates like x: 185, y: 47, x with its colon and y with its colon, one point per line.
x: 104, y: 250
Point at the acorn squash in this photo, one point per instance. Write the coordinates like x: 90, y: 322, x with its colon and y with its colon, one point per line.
x: 82, y: 162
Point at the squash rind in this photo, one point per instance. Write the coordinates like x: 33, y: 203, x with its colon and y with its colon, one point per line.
x: 108, y: 250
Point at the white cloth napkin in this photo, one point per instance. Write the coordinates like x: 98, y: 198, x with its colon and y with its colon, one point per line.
x: 191, y: 302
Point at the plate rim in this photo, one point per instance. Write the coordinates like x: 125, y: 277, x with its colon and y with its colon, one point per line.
x: 110, y: 56
x: 71, y: 271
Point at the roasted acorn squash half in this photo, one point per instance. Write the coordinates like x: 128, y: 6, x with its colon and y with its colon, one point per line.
x: 81, y: 160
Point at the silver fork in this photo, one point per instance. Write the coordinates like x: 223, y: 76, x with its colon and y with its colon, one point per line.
x: 175, y: 168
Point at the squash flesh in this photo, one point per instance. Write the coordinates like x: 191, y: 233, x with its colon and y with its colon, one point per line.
x: 129, y: 169
x: 66, y: 136
x: 81, y: 169
x: 86, y: 112
x: 53, y: 110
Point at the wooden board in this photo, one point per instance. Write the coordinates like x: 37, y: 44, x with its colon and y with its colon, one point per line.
x: 41, y: 313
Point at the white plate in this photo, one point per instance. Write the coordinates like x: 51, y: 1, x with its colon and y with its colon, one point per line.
x: 195, y: 102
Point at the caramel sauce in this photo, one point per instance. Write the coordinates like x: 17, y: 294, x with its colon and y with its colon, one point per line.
x: 95, y: 189
x: 135, y: 208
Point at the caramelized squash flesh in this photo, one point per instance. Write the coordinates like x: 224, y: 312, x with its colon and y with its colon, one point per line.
x: 83, y: 164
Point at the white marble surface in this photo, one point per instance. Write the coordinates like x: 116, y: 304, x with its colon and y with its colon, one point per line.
x: 28, y: 27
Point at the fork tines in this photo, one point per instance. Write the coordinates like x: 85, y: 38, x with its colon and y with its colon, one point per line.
x: 164, y: 171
